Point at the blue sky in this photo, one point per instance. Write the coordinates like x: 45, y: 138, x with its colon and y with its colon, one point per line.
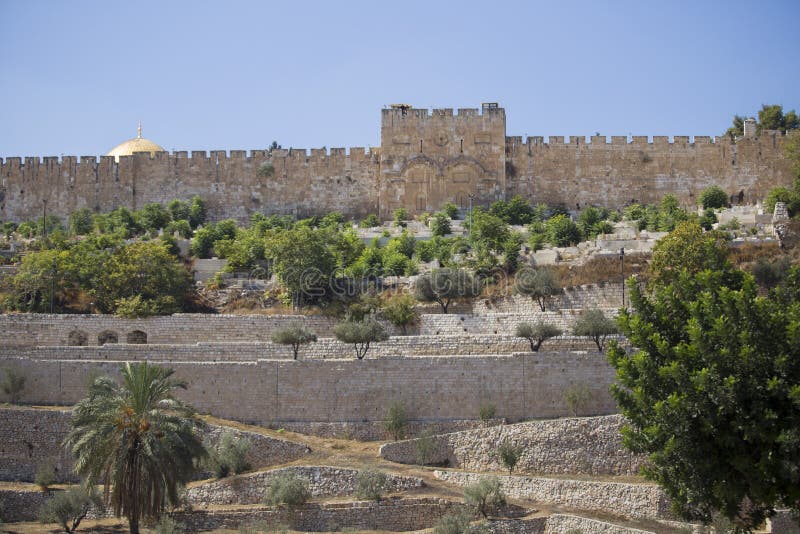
x: 75, y: 77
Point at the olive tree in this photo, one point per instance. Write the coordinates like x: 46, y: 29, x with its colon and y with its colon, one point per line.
x: 537, y: 333
x: 595, y: 324
x: 445, y: 285
x: 360, y: 334
x: 295, y: 335
x: 539, y: 284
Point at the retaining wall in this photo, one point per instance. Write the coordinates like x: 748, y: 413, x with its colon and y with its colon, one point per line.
x: 520, y: 386
x: 31, y: 437
x: 638, y: 501
x: 590, y: 445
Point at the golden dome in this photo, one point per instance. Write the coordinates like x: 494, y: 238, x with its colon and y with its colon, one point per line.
x: 137, y: 144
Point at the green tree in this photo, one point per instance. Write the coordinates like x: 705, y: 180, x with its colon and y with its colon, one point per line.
x: 688, y: 248
x: 303, y: 261
x: 396, y: 420
x: 771, y: 117
x: 400, y: 312
x: 712, y: 392
x: 287, y: 489
x: 713, y: 197
x: 371, y: 484
x: 146, y: 270
x: 360, y: 334
x: 539, y: 284
x: 179, y: 210
x: 562, y: 231
x: 136, y: 439
x: 197, y: 211
x: 81, y: 221
x: 450, y: 209
x: 509, y: 454
x: 485, y: 496
x: 708, y: 219
x: 537, y: 333
x: 440, y: 224
x: 68, y: 508
x: 445, y: 285
x: 294, y: 335
x: 595, y: 324
x: 370, y: 221
x: 492, y: 232
x: 152, y: 217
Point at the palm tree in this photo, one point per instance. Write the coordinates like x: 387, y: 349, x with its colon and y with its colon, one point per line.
x: 137, y: 440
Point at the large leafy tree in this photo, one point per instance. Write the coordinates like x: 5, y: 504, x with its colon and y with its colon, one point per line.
x: 445, y: 285
x: 712, y: 390
x: 136, y: 439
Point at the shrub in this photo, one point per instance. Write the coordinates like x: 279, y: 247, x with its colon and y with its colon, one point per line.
x: 266, y: 170
x: 370, y: 221
x: 295, y: 335
x: 450, y: 209
x: 400, y: 217
x: 487, y: 411
x: 360, y: 334
x: 424, y: 447
x: 13, y: 384
x: 537, y: 333
x: 577, y: 399
x: 713, y: 197
x: 769, y: 274
x: 288, y: 490
x: 228, y: 455
x: 457, y: 523
x: 595, y: 324
x: 45, y: 476
x: 400, y: 312
x: 509, y: 454
x: 396, y: 420
x: 68, y: 508
x: 440, y: 224
x: 371, y: 484
x: 485, y: 496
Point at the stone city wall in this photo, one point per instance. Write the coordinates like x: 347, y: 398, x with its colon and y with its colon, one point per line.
x: 32, y: 437
x: 426, y: 158
x: 520, y: 385
x: 633, y: 500
x: 586, y: 446
x: 323, y: 481
x: 395, y: 515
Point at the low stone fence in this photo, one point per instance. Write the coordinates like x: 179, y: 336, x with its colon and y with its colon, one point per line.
x: 638, y: 501
x: 498, y: 323
x: 376, y: 430
x: 323, y: 481
x: 585, y: 445
x: 561, y: 523
x: 395, y: 515
x: 30, y: 438
x: 21, y: 505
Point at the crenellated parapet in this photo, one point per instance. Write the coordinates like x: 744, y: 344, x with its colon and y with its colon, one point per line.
x: 426, y: 158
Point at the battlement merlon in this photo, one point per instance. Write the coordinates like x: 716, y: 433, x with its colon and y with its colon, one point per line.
x: 400, y: 112
x: 767, y: 139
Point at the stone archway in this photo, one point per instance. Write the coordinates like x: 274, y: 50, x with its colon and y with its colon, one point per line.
x: 107, y: 336
x: 137, y: 337
x: 78, y: 338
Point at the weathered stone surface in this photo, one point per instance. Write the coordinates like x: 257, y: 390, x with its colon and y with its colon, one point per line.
x: 30, y: 438
x: 645, y: 501
x: 323, y: 481
x: 586, y: 445
x: 561, y: 523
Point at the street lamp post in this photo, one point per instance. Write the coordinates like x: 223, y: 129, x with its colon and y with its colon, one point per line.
x: 622, y: 272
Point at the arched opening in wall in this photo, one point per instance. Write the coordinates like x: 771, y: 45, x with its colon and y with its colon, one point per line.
x: 107, y: 336
x: 77, y: 338
x: 137, y: 337
x: 462, y: 200
x: 422, y: 203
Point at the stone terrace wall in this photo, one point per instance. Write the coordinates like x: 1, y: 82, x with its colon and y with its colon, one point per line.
x: 638, y: 501
x: 323, y: 481
x: 21, y: 505
x: 496, y: 323
x: 324, y: 348
x: 396, y: 515
x: 26, y: 329
x: 608, y: 296
x: 376, y: 430
x: 590, y: 445
x: 521, y: 386
x: 31, y: 437
x: 560, y: 523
